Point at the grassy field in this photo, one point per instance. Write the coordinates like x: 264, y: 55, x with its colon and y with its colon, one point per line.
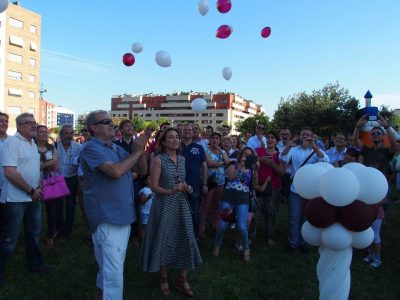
x: 272, y: 274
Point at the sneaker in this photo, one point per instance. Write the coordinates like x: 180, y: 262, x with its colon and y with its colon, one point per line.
x: 270, y: 242
x: 239, y: 247
x: 376, y: 263
x: 233, y: 225
x: 369, y: 258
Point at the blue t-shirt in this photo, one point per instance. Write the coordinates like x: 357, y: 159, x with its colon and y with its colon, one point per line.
x: 107, y: 200
x: 194, y: 156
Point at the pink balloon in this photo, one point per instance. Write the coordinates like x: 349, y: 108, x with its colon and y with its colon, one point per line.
x: 128, y: 59
x: 266, y: 32
x: 224, y: 6
x: 223, y: 31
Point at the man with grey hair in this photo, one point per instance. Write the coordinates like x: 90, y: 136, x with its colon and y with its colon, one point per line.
x: 108, y: 200
x: 21, y: 192
x: 3, y: 136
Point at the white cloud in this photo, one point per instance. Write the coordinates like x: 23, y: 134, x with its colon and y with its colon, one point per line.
x: 390, y: 100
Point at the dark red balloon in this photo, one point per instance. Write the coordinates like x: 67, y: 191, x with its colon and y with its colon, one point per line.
x: 320, y: 213
x: 224, y: 6
x: 356, y: 216
x: 266, y: 32
x: 223, y: 31
x: 128, y: 59
x: 227, y: 215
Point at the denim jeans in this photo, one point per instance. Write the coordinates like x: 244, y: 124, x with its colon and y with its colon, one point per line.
x: 28, y: 214
x: 64, y: 225
x: 110, y: 243
x: 194, y: 200
x: 241, y: 211
x: 296, y: 219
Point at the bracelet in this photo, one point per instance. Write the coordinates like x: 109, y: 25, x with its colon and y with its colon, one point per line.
x: 31, y: 192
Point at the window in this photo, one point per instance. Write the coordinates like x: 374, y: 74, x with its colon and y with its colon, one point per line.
x: 33, y: 29
x: 14, y: 110
x: 31, y: 78
x: 15, y: 92
x: 14, y: 75
x: 33, y: 46
x: 16, y: 41
x: 15, y: 57
x: 16, y: 23
x: 31, y: 95
x: 32, y: 61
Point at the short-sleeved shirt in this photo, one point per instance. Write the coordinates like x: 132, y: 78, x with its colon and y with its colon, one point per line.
x: 265, y: 171
x: 218, y: 171
x: 125, y: 145
x: 335, y: 155
x: 194, y: 157
x: 23, y: 154
x: 68, y: 159
x: 377, y: 158
x: 107, y: 200
x: 145, y: 208
x: 1, y: 167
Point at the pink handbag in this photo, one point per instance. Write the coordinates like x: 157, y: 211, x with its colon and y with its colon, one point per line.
x: 54, y: 187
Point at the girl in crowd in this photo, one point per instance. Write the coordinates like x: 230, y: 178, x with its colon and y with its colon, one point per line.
x: 227, y: 147
x: 169, y: 239
x: 236, y: 143
x: 236, y: 197
x: 217, y: 159
x: 48, y: 164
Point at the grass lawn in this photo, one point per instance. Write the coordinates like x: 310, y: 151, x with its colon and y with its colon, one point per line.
x: 272, y: 274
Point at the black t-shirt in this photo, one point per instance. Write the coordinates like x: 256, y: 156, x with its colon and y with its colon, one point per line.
x: 377, y: 158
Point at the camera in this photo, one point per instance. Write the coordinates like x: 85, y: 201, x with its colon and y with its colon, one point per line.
x: 251, y: 160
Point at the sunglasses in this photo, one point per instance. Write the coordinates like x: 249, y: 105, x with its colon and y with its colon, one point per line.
x: 104, y: 122
x: 376, y: 133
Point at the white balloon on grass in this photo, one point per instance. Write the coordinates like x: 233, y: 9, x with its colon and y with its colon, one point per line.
x: 311, y: 234
x: 3, y: 5
x: 373, y: 185
x: 163, y: 59
x: 137, y: 47
x: 363, y: 239
x: 325, y: 165
x: 199, y: 105
x: 339, y: 186
x: 353, y: 166
x: 227, y: 73
x: 306, y: 181
x: 203, y: 7
x: 336, y: 237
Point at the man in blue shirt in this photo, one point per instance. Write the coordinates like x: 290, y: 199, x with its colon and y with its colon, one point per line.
x: 196, y: 172
x: 108, y: 200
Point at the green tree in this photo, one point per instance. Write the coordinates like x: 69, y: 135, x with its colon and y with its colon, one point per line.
x: 390, y: 115
x: 328, y: 110
x: 250, y: 123
x: 138, y: 124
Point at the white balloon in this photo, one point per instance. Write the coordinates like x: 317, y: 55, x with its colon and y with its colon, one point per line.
x: 336, y: 237
x: 353, y: 166
x: 311, y: 234
x: 227, y: 73
x: 325, y: 165
x: 163, y: 59
x: 203, y: 7
x: 339, y: 187
x: 137, y: 47
x: 373, y: 185
x: 3, y: 5
x: 306, y: 181
x: 199, y: 105
x: 363, y: 239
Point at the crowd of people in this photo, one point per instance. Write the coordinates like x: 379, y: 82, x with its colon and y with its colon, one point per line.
x: 159, y: 188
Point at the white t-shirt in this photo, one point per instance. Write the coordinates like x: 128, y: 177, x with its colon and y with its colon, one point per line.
x: 145, y: 208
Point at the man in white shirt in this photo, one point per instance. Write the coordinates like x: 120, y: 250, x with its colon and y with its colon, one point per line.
x: 21, y: 193
x: 297, y: 154
x: 338, y: 152
x: 259, y: 140
x: 3, y: 136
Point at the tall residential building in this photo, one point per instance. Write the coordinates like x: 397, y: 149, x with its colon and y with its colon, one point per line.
x: 19, y: 62
x: 221, y: 107
x: 47, y: 114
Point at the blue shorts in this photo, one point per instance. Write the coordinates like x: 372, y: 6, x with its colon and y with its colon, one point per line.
x: 144, y: 218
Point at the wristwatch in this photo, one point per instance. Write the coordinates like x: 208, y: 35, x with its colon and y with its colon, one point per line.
x: 31, y: 192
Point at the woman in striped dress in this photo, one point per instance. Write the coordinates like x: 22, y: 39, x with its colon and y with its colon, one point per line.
x: 170, y: 239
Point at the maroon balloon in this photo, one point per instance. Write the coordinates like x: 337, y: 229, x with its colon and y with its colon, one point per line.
x: 356, y: 216
x: 320, y: 213
x: 266, y: 32
x: 227, y: 215
x: 223, y: 31
x: 128, y: 59
x: 224, y: 6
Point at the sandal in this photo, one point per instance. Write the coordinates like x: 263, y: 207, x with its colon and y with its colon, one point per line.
x: 246, y: 255
x: 165, y: 290
x: 183, y: 286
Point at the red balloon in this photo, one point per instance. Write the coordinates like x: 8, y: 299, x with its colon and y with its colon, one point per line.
x: 227, y: 215
x: 266, y: 32
x: 357, y: 216
x: 223, y: 31
x: 224, y: 6
x: 128, y: 59
x: 320, y: 213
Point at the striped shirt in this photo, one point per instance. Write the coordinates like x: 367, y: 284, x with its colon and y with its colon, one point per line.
x: 68, y: 159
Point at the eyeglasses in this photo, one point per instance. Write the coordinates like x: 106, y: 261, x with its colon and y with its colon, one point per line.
x: 104, y: 122
x: 376, y: 133
x: 30, y: 123
x: 260, y: 127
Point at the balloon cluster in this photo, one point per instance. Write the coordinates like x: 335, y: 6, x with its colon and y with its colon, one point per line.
x: 162, y: 58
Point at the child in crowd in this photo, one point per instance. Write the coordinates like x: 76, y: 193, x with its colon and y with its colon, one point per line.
x: 145, y: 199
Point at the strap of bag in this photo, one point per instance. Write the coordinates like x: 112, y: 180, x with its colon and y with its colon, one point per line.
x: 307, y: 159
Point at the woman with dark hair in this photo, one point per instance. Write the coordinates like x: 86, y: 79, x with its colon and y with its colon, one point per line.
x: 236, y: 143
x: 169, y: 239
x: 48, y: 164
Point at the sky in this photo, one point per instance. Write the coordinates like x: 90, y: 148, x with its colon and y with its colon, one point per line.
x: 313, y: 43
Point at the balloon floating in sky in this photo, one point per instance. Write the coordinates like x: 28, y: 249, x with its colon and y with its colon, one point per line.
x: 223, y: 31
x: 203, y: 7
x: 3, y: 5
x: 128, y: 59
x: 137, y: 47
x: 199, y: 105
x: 163, y: 59
x: 224, y: 6
x: 227, y: 73
x: 266, y: 32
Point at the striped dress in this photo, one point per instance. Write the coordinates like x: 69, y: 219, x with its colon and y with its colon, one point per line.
x: 170, y: 239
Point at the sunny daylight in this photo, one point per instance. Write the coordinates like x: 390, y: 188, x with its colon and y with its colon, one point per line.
x: 206, y: 149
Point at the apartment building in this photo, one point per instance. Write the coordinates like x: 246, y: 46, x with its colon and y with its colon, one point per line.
x: 221, y: 107
x: 19, y: 62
